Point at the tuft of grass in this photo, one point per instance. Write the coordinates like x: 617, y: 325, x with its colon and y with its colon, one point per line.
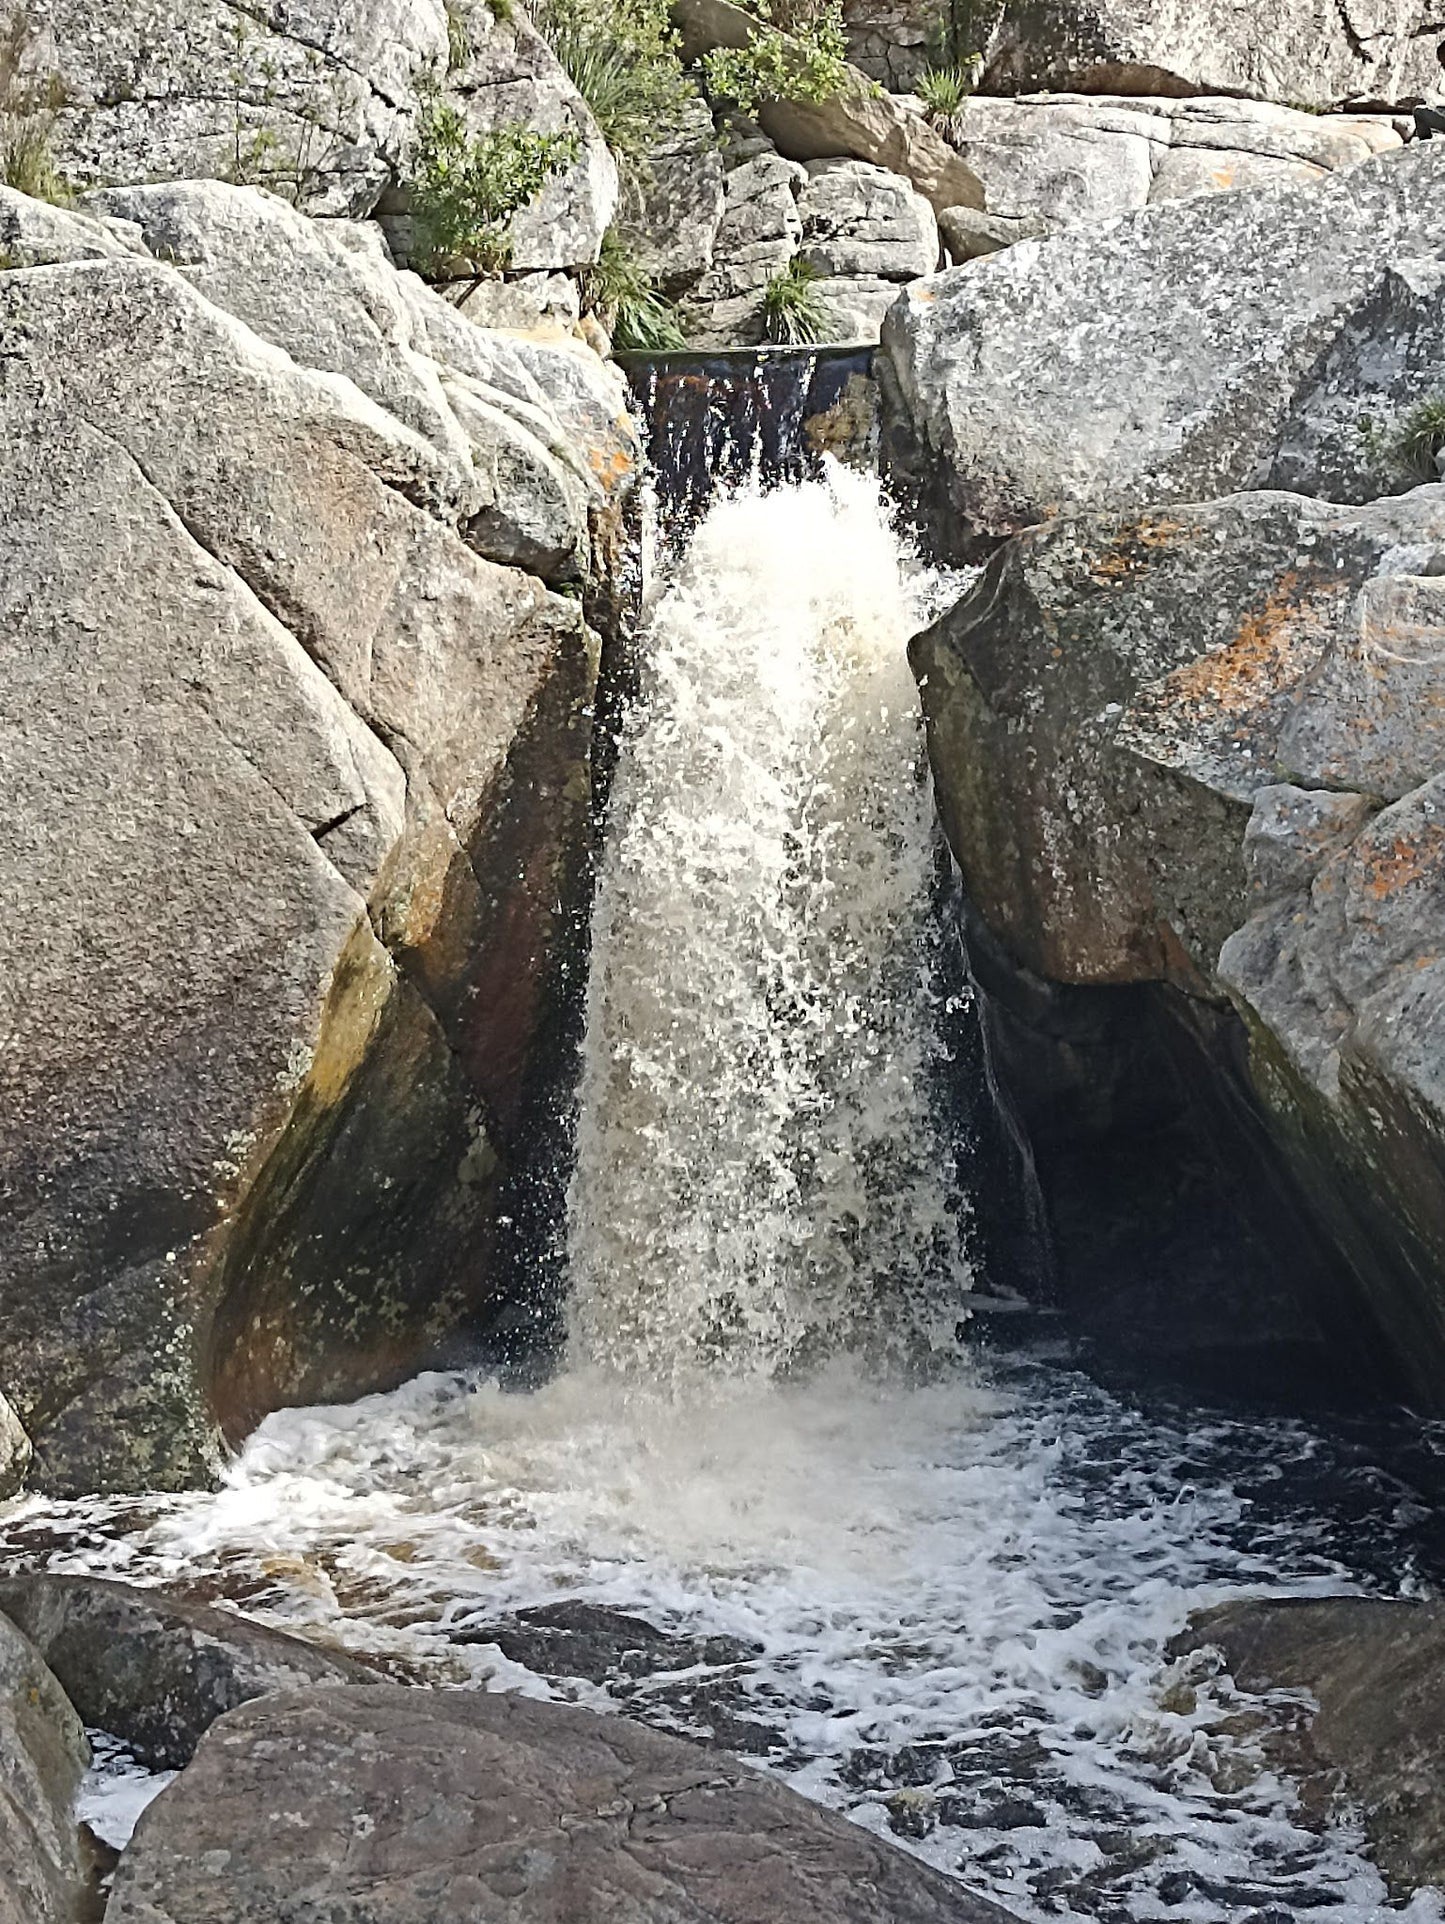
x: 621, y: 56
x: 1420, y: 437
x: 29, y: 102
x: 459, y: 38
x: 622, y: 295
x: 794, y: 314
x: 943, y: 90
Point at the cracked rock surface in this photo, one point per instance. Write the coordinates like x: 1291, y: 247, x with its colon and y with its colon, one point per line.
x: 402, y: 1806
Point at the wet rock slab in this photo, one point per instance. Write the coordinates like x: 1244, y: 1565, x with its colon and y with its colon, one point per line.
x: 43, y: 1755
x: 403, y: 1806
x: 157, y: 1671
x: 1376, y: 1669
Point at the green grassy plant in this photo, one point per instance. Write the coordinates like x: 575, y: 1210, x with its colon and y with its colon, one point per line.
x: 794, y: 314
x: 29, y: 103
x: 622, y: 295
x: 943, y: 90
x: 1420, y: 437
x: 621, y: 56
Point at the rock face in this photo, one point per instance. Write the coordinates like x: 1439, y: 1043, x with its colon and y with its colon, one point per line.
x: 1036, y: 384
x: 42, y: 1869
x: 672, y: 220
x: 354, y: 1805
x: 323, y: 109
x: 1299, y: 50
x: 291, y: 865
x: 860, y: 229
x: 1200, y: 747
x: 157, y: 1671
x: 1376, y: 1670
x: 1051, y: 163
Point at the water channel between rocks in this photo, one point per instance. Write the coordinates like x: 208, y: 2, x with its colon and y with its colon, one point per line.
x: 931, y: 1583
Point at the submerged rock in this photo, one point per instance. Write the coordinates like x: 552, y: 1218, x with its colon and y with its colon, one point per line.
x: 1180, y: 353
x: 154, y: 1670
x: 1376, y: 1671
x: 295, y: 860
x: 43, y: 1868
x: 402, y: 1806
x: 1199, y: 748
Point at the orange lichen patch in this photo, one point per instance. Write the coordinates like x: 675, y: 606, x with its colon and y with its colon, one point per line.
x: 923, y: 296
x: 1223, y: 177
x: 1258, y: 661
x: 1132, y: 545
x: 611, y: 468
x: 1385, y: 871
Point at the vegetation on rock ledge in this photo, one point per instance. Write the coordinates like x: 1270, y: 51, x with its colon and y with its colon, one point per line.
x: 798, y: 52
x: 467, y: 187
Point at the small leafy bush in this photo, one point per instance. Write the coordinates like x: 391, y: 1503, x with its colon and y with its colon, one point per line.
x: 29, y: 102
x: 621, y: 56
x: 794, y: 314
x: 796, y: 53
x: 621, y: 293
x: 467, y: 188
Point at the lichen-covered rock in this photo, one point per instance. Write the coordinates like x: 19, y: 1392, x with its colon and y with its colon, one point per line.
x: 1295, y: 50
x: 410, y: 1805
x: 15, y: 1451
x: 670, y: 216
x: 290, y: 865
x: 43, y: 1873
x: 1179, y: 353
x: 154, y: 1670
x: 1202, y: 746
x: 863, y: 223
x: 323, y: 105
x: 892, y: 41
x: 756, y: 238
x: 1059, y: 159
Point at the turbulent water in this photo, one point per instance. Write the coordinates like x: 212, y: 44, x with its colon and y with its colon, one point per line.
x: 759, y: 1178
x: 934, y: 1590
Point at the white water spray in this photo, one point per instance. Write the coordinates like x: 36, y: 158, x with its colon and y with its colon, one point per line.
x: 761, y: 1180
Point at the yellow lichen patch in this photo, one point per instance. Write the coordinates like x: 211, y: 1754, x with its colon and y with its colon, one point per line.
x: 1132, y: 545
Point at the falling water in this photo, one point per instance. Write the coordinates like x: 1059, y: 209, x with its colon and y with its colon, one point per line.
x: 761, y: 1177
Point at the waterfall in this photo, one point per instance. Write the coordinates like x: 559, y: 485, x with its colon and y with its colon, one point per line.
x: 762, y: 1180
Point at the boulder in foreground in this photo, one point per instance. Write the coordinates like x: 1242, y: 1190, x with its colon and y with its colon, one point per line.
x: 404, y: 1806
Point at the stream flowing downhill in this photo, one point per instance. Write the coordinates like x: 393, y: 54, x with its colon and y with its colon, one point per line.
x: 930, y: 1587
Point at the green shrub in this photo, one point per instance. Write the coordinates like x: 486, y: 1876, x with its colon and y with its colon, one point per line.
x: 621, y: 293
x: 466, y: 189
x: 621, y: 56
x: 796, y: 53
x: 794, y: 314
x: 459, y: 37
x: 943, y: 90
x: 1420, y: 436
x: 29, y: 102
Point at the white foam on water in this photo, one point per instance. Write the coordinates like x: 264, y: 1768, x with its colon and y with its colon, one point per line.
x: 117, y: 1790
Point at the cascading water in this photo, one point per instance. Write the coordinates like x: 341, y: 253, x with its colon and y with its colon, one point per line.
x: 934, y: 1591
x: 760, y: 1176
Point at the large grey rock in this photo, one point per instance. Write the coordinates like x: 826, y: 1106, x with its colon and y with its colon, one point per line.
x: 43, y: 1872
x: 1202, y: 747
x: 860, y: 121
x: 288, y: 870
x: 863, y: 223
x: 322, y: 104
x: 670, y: 216
x: 1174, y: 354
x: 526, y: 488
x: 757, y: 237
x: 407, y: 1805
x: 35, y: 234
x: 157, y: 1671
x: 1059, y: 159
x: 1376, y: 1671
x: 1310, y: 51
x: 16, y: 1453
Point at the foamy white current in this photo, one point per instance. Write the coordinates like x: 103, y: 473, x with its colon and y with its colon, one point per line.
x: 950, y: 1593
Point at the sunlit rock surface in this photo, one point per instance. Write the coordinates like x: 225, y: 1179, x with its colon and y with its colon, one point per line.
x: 295, y: 855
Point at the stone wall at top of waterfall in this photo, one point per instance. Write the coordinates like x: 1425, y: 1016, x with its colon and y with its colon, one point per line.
x: 762, y: 1178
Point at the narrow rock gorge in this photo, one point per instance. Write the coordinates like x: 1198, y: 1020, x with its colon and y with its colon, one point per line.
x: 723, y: 1153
